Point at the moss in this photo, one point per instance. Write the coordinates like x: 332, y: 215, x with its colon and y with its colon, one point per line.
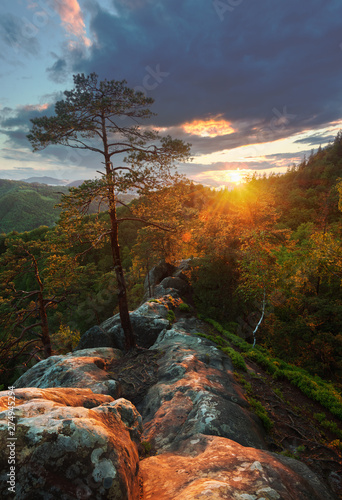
x: 312, y: 386
x: 261, y: 412
x: 241, y: 379
x: 183, y: 307
x: 146, y: 446
x: 170, y: 317
x: 237, y: 359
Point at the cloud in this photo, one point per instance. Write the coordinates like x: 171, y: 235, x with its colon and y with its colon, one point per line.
x: 210, y: 127
x: 316, y: 139
x: 58, y: 72
x: 72, y: 19
x: 19, y: 34
x: 273, y: 63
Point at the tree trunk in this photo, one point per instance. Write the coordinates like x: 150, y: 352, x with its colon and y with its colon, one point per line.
x: 125, y: 319
x: 114, y: 240
x: 122, y: 292
x: 45, y: 335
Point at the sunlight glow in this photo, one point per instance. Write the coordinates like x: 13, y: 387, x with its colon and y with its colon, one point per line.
x: 235, y: 176
x: 212, y: 127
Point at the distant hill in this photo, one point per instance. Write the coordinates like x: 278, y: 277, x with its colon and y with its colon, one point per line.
x: 26, y: 206
x: 50, y: 181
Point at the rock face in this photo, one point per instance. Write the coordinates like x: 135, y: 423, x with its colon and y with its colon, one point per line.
x: 147, y: 322
x: 210, y: 467
x: 196, y: 393
x: 84, y: 369
x: 209, y: 445
x: 65, y: 450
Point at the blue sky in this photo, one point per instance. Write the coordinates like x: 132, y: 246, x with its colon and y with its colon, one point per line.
x: 252, y: 85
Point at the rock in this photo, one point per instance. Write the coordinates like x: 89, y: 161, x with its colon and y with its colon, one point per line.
x: 156, y: 275
x: 147, y: 322
x: 211, y: 467
x: 183, y: 269
x: 70, y: 452
x: 64, y: 397
x: 169, y: 284
x: 83, y: 369
x: 195, y: 393
x: 95, y: 337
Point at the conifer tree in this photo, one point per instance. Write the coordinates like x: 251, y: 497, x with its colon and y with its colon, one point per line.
x: 102, y: 117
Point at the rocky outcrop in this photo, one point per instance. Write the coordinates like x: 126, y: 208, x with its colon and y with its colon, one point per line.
x: 195, y: 393
x: 83, y: 369
x: 76, y: 441
x: 167, y: 279
x: 147, y: 322
x: 66, y: 450
x: 211, y: 467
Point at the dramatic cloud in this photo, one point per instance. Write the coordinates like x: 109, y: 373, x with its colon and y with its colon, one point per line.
x: 272, y: 61
x: 245, y: 82
x: 72, y: 18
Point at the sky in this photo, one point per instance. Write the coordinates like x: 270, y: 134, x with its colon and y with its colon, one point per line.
x: 253, y: 86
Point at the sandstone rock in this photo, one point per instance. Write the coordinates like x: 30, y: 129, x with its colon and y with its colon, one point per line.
x: 96, y: 337
x: 155, y: 276
x: 183, y: 269
x: 174, y: 283
x: 83, y: 369
x: 71, y: 452
x: 211, y: 467
x: 65, y: 397
x: 195, y: 393
x: 147, y: 322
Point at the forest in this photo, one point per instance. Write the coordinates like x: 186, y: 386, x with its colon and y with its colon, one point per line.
x: 271, y: 247
x: 265, y: 257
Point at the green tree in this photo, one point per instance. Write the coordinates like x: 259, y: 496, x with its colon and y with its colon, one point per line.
x: 102, y: 117
x: 36, y: 276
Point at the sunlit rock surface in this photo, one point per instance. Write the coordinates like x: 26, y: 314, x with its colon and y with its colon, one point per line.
x: 211, y: 467
x: 84, y: 369
x: 195, y: 393
x: 65, y: 450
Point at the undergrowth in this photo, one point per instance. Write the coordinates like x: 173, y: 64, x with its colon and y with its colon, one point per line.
x: 312, y: 386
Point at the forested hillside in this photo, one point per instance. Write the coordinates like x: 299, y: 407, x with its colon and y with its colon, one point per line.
x: 265, y: 258
x: 25, y: 206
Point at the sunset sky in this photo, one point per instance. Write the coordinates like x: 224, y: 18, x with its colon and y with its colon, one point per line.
x: 253, y: 85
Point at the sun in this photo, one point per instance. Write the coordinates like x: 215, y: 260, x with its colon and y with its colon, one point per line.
x: 235, y: 176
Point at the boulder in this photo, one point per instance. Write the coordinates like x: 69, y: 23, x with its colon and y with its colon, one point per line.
x: 196, y: 393
x: 83, y: 369
x: 156, y: 275
x: 211, y: 467
x: 64, y: 450
x: 147, y: 322
x: 96, y: 337
x: 170, y: 284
